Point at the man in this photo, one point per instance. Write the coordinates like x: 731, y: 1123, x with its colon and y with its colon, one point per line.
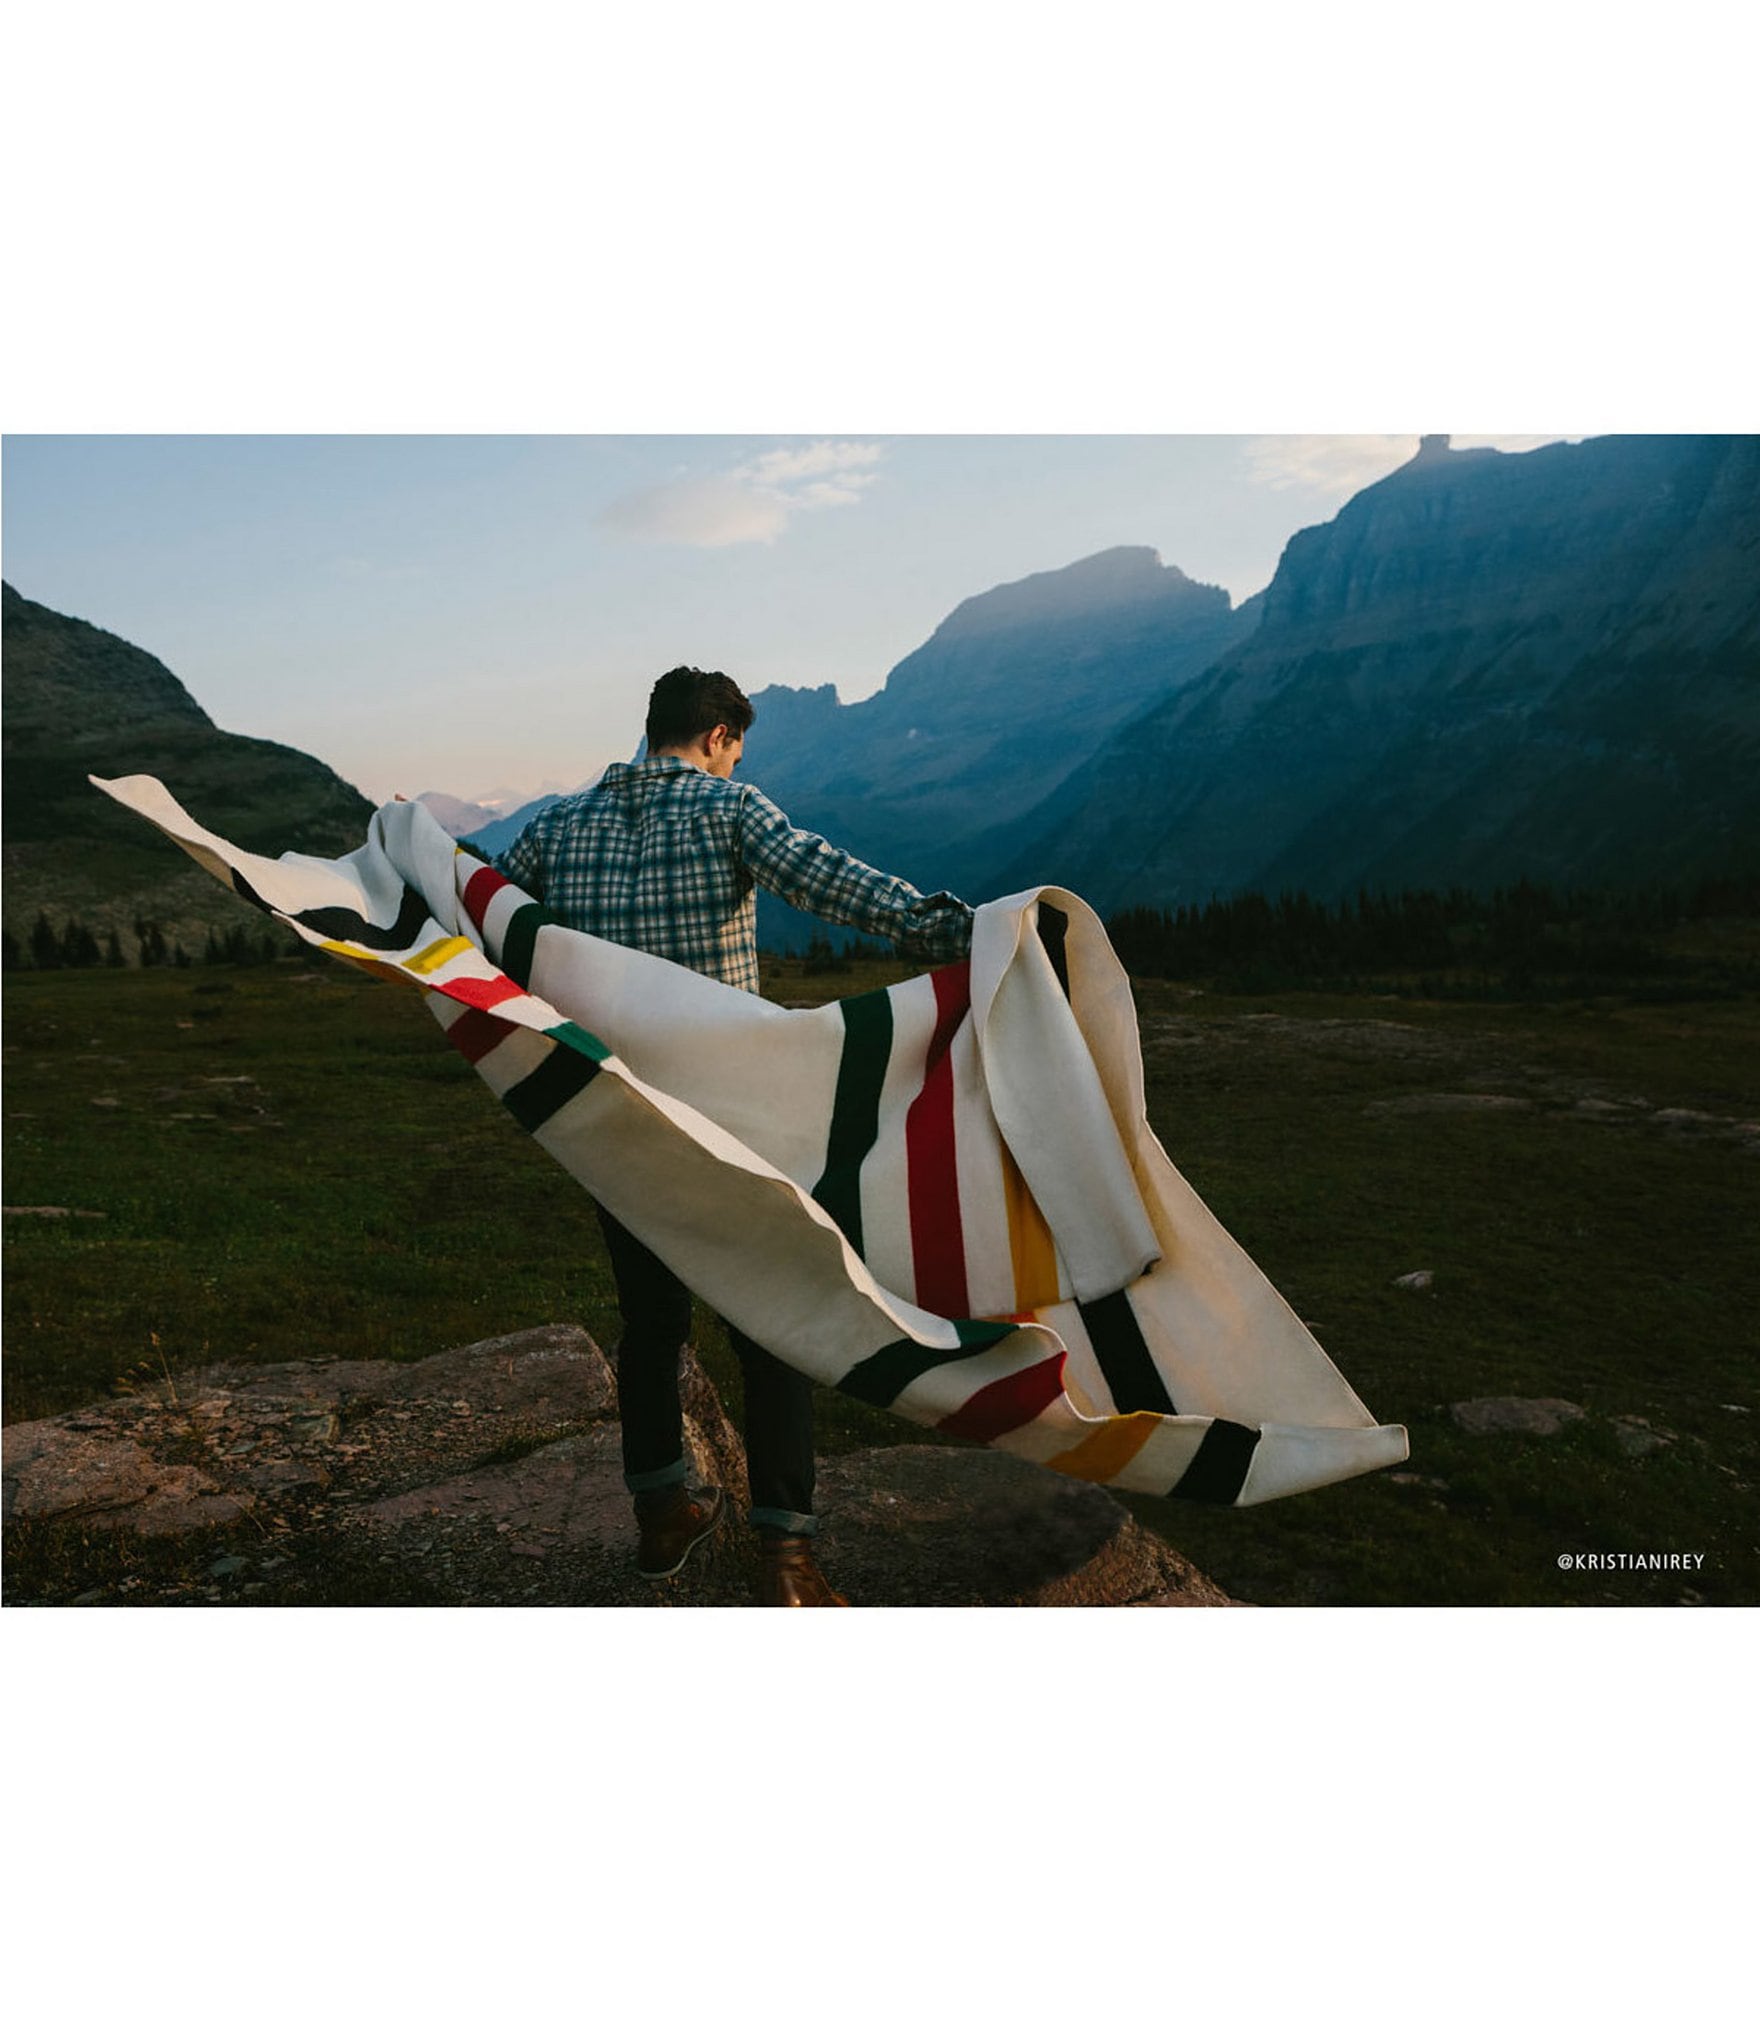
x: 666, y: 856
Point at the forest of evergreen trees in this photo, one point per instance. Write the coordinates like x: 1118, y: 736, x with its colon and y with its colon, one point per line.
x: 74, y: 946
x: 1516, y: 941
x: 1522, y: 940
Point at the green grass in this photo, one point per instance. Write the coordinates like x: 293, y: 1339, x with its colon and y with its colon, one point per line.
x: 360, y: 1193
x: 1609, y: 1264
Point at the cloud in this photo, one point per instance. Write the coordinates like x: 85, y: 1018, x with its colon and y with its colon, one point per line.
x: 715, y: 510
x: 1329, y: 461
x: 843, y: 458
x: 751, y: 503
x: 1339, y: 463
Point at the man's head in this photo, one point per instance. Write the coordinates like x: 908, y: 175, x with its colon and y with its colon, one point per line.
x: 700, y: 716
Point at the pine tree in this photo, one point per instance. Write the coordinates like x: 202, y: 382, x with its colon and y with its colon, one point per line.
x: 79, y: 946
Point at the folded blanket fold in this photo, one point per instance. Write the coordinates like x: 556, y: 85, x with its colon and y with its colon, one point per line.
x: 942, y: 1197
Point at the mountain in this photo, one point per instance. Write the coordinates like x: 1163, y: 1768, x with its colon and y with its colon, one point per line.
x: 458, y: 817
x: 498, y: 834
x: 1485, y: 666
x: 79, y: 699
x: 486, y: 827
x: 1015, y: 689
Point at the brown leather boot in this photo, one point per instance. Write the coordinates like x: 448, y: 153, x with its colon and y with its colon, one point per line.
x: 790, y: 1574
x: 672, y: 1525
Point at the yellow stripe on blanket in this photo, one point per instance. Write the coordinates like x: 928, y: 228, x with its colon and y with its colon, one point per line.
x: 426, y: 961
x: 1111, y: 1448
x: 1030, y: 1244
x: 364, y: 959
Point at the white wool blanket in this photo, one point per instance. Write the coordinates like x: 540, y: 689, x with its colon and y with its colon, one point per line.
x: 942, y: 1197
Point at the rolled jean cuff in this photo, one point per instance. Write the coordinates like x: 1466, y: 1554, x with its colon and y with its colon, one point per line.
x: 674, y: 1475
x: 790, y: 1521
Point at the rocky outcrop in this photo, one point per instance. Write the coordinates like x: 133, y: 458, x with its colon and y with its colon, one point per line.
x: 493, y: 1474
x: 922, y: 1526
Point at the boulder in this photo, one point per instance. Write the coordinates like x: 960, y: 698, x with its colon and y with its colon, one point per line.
x: 492, y: 1473
x: 1637, y: 1437
x: 1523, y: 1416
x: 55, y: 1469
x: 926, y: 1526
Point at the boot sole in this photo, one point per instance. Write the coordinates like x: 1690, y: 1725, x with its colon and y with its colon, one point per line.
x: 708, y: 1530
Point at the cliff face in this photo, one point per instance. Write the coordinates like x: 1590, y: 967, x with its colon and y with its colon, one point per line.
x: 80, y: 700
x: 1487, y: 665
x: 1012, y: 691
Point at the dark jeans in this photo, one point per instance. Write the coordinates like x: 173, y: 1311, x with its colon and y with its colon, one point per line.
x: 656, y: 1309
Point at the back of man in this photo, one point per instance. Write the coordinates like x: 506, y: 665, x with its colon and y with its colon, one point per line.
x: 667, y: 856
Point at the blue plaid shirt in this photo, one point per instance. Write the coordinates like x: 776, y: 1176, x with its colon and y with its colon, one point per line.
x: 664, y: 857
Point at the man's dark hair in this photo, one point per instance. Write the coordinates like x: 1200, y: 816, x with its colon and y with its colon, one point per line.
x: 687, y: 703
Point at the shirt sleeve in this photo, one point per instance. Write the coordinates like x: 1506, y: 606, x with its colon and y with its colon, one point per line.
x: 815, y: 876
x: 523, y: 860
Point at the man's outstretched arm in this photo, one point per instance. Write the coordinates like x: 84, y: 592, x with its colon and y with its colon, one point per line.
x: 820, y: 879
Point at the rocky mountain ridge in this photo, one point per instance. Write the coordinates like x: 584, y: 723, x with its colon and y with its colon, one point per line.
x: 1485, y: 667
x: 82, y: 700
x: 1013, y: 690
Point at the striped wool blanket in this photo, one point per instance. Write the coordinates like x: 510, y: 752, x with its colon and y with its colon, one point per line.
x: 942, y: 1197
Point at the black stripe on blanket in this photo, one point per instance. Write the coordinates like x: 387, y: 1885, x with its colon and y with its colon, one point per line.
x: 246, y: 891
x: 343, y: 924
x: 855, y: 1109
x: 1119, y: 1347
x: 884, y: 1376
x: 1219, y: 1466
x: 563, y: 1074
x: 521, y: 938
x: 1053, y: 929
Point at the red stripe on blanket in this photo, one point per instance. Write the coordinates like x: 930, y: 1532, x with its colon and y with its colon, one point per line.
x: 485, y: 993
x: 938, y: 1247
x: 1007, y: 1404
x: 473, y: 1034
x: 480, y: 890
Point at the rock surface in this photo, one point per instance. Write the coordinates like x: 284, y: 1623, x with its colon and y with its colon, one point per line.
x: 1542, y: 1416
x: 492, y: 1474
x: 922, y: 1526
x: 1637, y: 1437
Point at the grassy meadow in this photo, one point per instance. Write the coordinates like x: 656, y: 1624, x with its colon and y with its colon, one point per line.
x: 286, y: 1160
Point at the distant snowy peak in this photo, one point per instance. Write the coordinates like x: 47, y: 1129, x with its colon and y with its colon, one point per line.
x: 461, y: 817
x: 489, y: 824
x: 457, y: 817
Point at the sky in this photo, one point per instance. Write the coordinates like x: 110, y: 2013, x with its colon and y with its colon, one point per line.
x: 483, y: 614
